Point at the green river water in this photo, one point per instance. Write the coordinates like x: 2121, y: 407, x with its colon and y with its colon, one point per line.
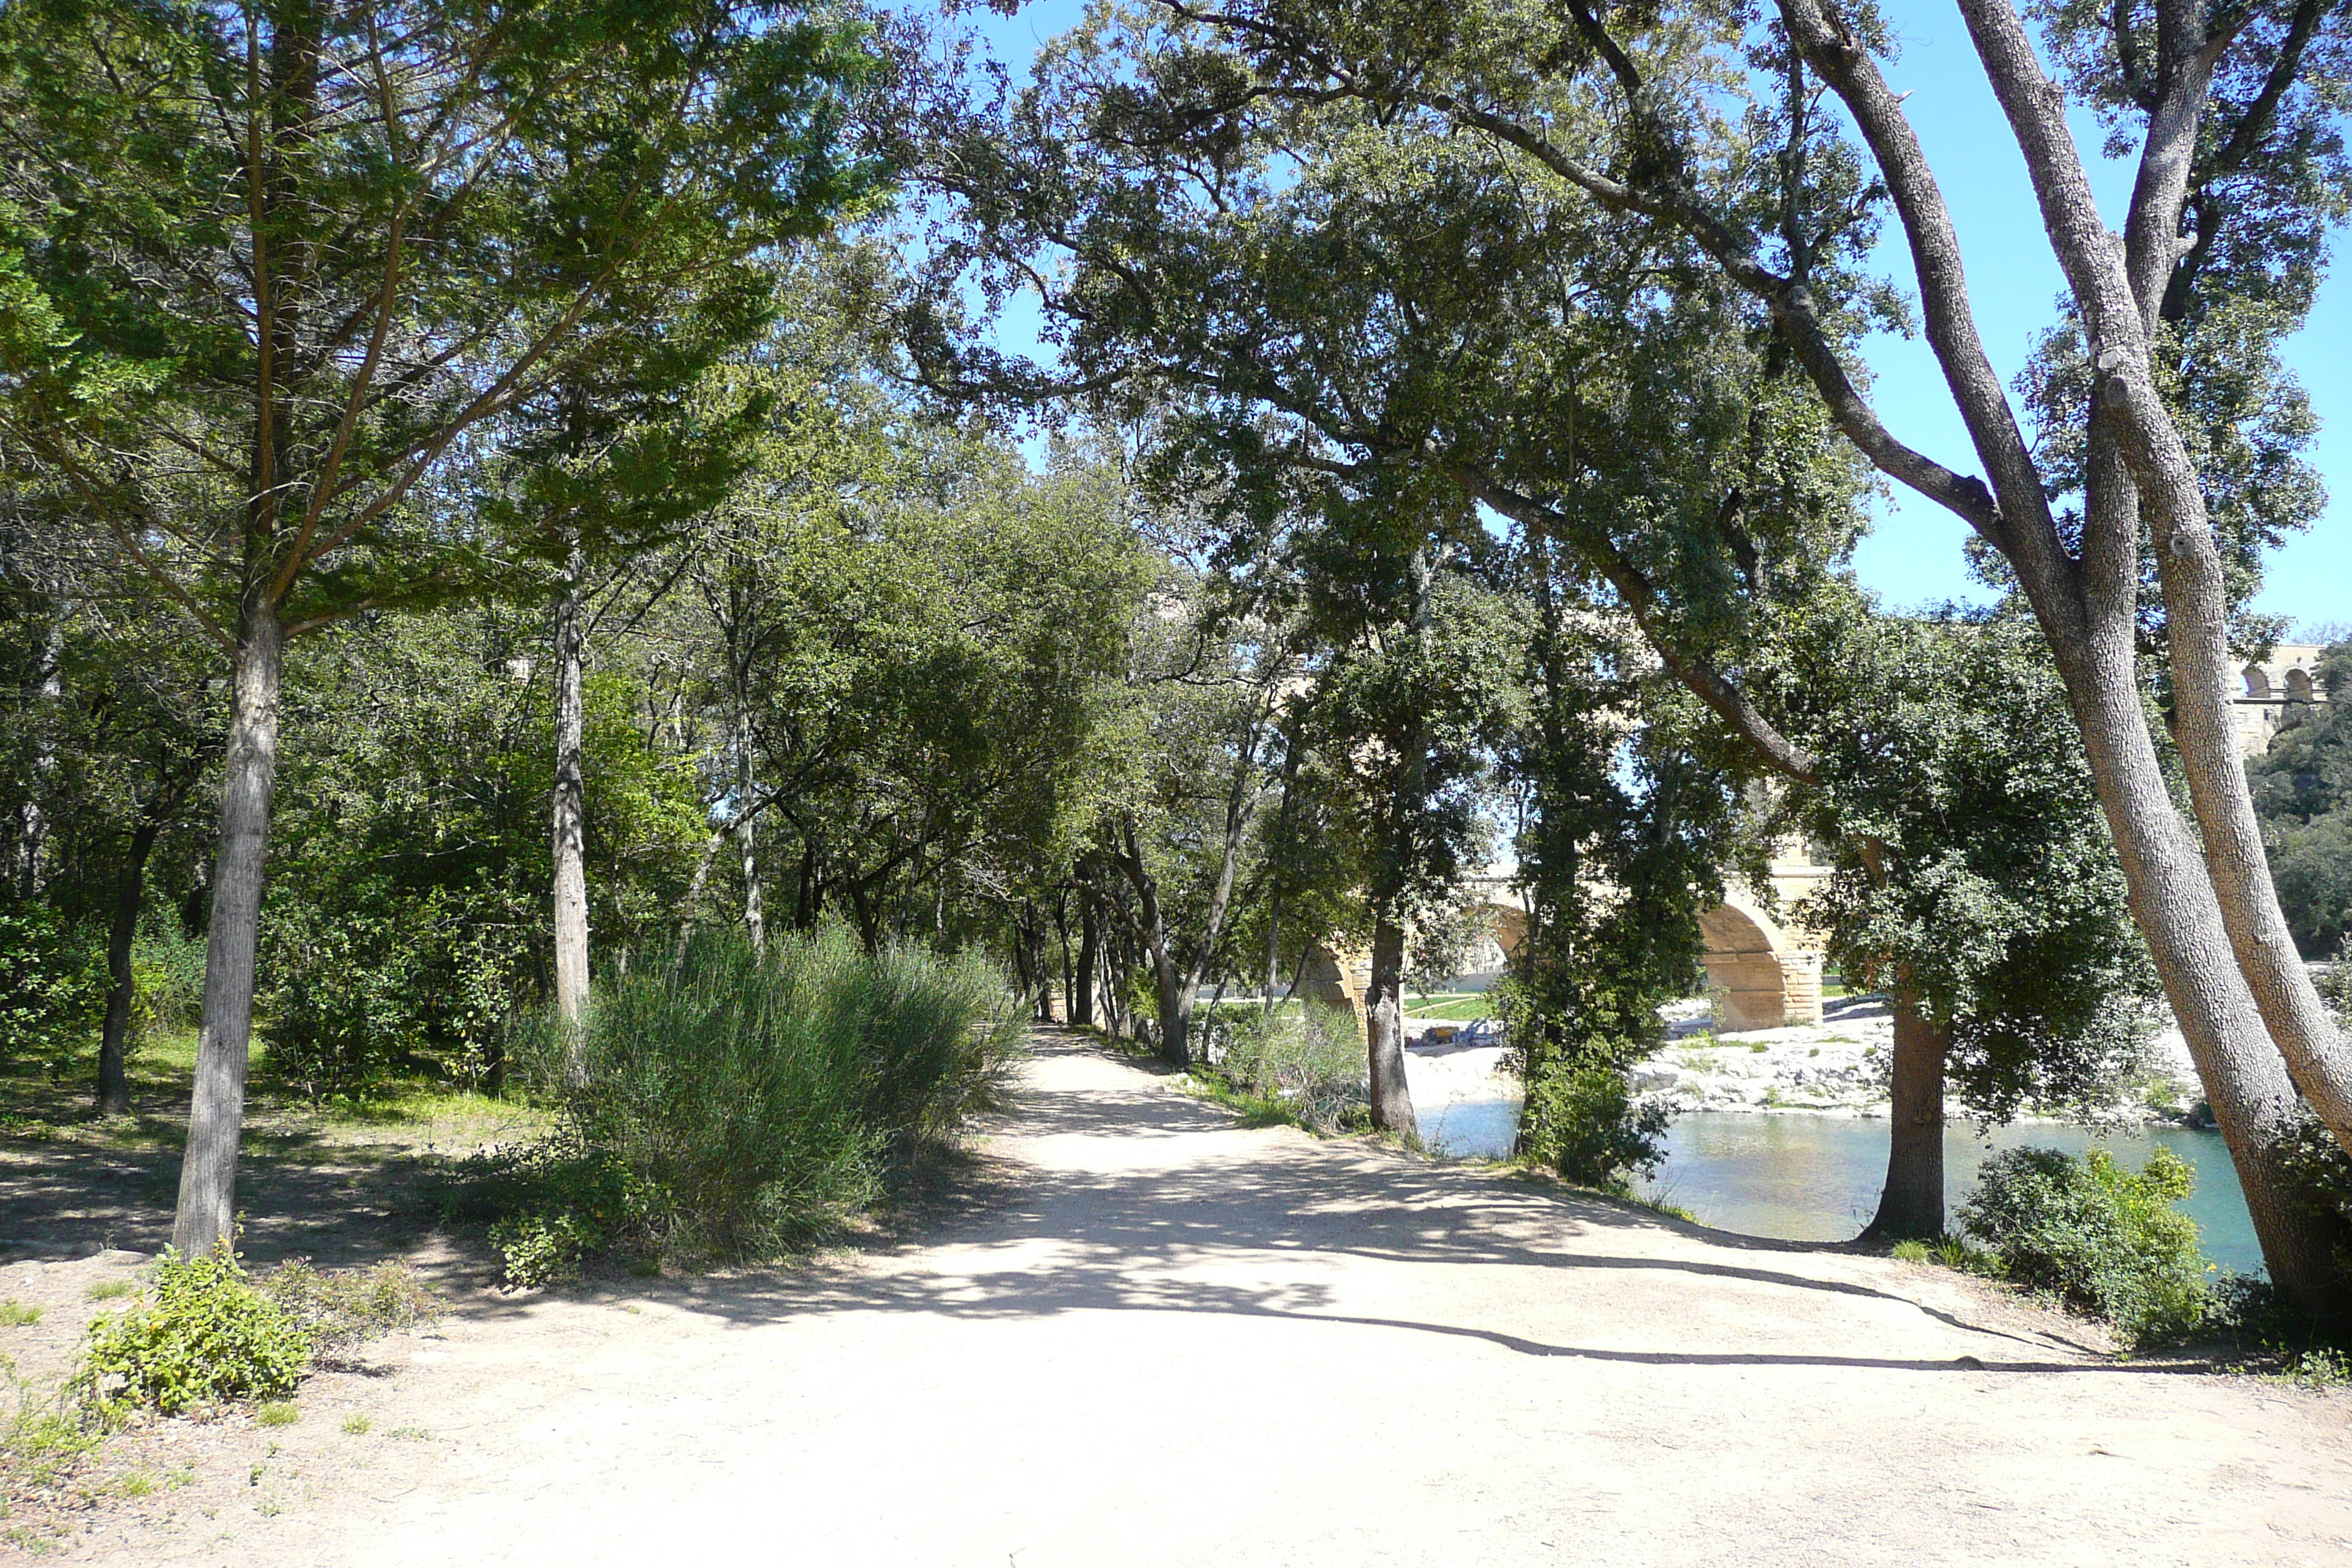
x: 1816, y: 1178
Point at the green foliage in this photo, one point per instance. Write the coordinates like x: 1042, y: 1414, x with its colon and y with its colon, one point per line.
x: 207, y: 1336
x: 740, y: 1105
x: 2097, y: 1236
x: 1583, y: 1119
x: 1309, y: 1061
x: 1972, y: 862
x: 16, y: 1315
x: 167, y: 974
x: 44, y: 1437
x: 52, y: 984
x: 277, y: 1413
x: 2303, y: 792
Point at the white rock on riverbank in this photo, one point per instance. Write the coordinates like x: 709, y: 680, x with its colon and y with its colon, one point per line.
x: 1838, y: 1067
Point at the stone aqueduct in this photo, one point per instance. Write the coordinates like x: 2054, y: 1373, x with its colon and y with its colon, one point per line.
x: 1763, y: 971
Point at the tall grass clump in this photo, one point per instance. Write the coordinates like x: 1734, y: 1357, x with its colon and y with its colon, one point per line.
x: 740, y: 1104
x: 1307, y: 1064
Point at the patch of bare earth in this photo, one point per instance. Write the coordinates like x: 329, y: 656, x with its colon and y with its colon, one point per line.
x: 1152, y: 1337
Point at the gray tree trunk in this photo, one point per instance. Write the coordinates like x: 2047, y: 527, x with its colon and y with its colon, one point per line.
x: 114, y: 1038
x: 1082, y: 999
x: 1911, y: 1205
x: 569, y: 808
x: 207, y: 1206
x: 1385, y: 1030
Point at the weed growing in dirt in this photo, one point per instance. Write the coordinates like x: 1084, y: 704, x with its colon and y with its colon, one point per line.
x: 16, y: 1315
x: 110, y: 1289
x: 411, y: 1434
x: 356, y: 1425
x: 208, y: 1337
x: 1949, y: 1251
x: 278, y: 1413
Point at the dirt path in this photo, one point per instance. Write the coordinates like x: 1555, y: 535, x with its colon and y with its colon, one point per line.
x: 1172, y: 1341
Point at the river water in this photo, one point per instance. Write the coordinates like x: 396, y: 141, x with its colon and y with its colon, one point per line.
x: 1816, y: 1178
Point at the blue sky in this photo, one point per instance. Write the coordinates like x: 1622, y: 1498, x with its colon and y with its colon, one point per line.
x: 1913, y: 555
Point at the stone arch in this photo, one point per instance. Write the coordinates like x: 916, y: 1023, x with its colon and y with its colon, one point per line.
x: 2257, y: 683
x: 2298, y: 686
x: 1758, y: 975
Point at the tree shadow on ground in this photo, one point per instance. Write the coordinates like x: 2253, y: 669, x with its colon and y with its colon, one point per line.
x: 1043, y: 1241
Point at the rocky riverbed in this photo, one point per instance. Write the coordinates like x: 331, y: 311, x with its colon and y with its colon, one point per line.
x: 1838, y: 1067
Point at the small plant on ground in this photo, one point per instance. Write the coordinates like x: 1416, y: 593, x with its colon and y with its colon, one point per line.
x: 278, y: 1413
x: 16, y: 1315
x: 356, y: 1425
x: 207, y: 1337
x: 110, y: 1289
x: 2100, y: 1238
x: 43, y: 1438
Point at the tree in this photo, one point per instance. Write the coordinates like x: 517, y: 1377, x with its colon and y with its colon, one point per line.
x: 268, y: 268
x: 2236, y: 106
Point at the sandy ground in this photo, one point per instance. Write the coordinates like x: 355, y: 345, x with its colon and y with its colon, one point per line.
x: 1156, y: 1338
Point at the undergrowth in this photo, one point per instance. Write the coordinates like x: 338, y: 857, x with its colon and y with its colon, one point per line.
x: 743, y: 1105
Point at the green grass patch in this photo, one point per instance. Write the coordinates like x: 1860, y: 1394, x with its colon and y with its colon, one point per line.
x: 110, y: 1289
x: 277, y: 1413
x: 356, y: 1425
x: 16, y: 1315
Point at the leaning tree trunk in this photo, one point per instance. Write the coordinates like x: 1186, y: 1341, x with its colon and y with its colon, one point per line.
x: 2173, y: 904
x: 1385, y: 1030
x: 207, y: 1206
x: 570, y: 804
x: 114, y: 1039
x: 1911, y: 1205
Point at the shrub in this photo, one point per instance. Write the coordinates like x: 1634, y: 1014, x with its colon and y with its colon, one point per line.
x: 167, y: 974
x: 340, y: 1307
x: 1583, y: 1119
x: 737, y: 1106
x: 2099, y: 1238
x: 207, y: 1337
x: 52, y: 986
x: 1310, y: 1062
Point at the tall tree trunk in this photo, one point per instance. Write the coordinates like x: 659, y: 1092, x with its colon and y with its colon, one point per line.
x: 1061, y: 931
x: 32, y: 822
x: 114, y: 1039
x: 1082, y: 1002
x: 747, y: 829
x: 570, y: 804
x: 692, y: 902
x: 207, y: 1205
x: 2173, y: 902
x: 1911, y: 1205
x: 1384, y: 1029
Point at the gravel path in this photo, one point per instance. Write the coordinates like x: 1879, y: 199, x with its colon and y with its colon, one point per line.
x: 1164, y: 1339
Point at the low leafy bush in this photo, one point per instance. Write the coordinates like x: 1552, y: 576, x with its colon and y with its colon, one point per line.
x: 737, y: 1105
x: 206, y: 1337
x: 1310, y: 1063
x: 1583, y: 1119
x: 2099, y: 1238
x: 167, y: 974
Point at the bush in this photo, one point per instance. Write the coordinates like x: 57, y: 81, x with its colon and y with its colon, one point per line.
x: 167, y: 974
x: 339, y: 1307
x: 1310, y: 1062
x: 2101, y: 1238
x: 1583, y: 1121
x: 738, y: 1106
x: 207, y: 1337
